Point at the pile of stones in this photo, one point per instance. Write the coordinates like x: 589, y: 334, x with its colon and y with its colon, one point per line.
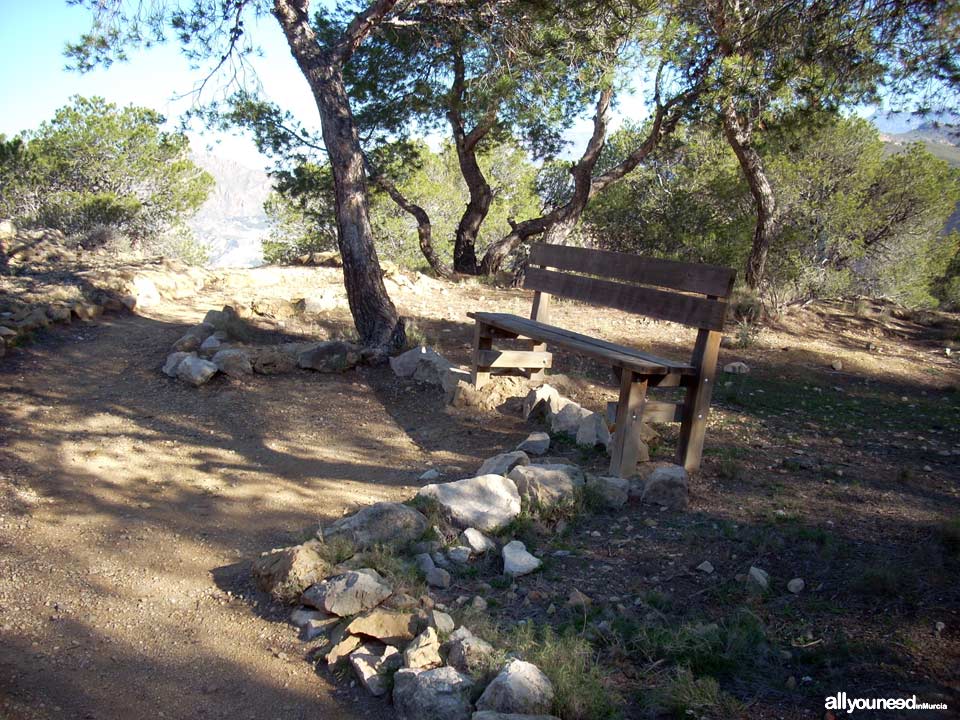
x: 217, y: 345
x: 412, y: 648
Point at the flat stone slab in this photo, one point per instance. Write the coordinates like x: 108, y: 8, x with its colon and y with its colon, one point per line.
x: 387, y: 523
x: 347, y: 594
x: 486, y: 502
x: 503, y: 463
x: 537, y: 443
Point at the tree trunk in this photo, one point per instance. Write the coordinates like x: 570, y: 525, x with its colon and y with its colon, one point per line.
x: 376, y: 319
x: 424, y: 227
x: 739, y: 135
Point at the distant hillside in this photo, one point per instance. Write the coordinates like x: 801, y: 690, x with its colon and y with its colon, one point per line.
x: 232, y: 223
x: 943, y: 141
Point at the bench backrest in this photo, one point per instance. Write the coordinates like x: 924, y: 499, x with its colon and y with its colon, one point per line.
x: 686, y: 293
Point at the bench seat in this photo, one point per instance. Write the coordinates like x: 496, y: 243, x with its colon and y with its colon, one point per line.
x: 615, y: 355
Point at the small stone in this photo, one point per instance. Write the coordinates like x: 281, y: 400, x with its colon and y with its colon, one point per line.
x: 348, y: 594
x: 383, y: 523
x: 537, y: 443
x: 542, y: 402
x: 392, y: 628
x: 424, y: 562
x: 521, y: 687
x: 441, y: 621
x: 578, y: 599
x: 705, y: 567
x: 517, y: 561
x: 837, y: 364
x: 430, y: 475
x: 287, y: 572
x: 427, y: 694
x: 477, y: 541
x: 736, y: 368
x: 478, y: 604
x: 552, y: 609
x: 667, y: 487
x: 486, y: 502
x: 568, y: 419
x: 301, y: 616
x: 209, y: 346
x: 468, y: 653
x: 613, y: 491
x: 341, y: 648
x: 195, y: 371
x: 438, y: 578
x: 544, y: 486
x: 371, y: 664
x: 312, y: 629
x: 424, y: 651
x: 593, y: 431
x: 333, y: 356
x: 503, y: 463
x: 233, y: 362
x: 758, y: 580
x: 459, y: 554
x: 796, y: 586
x: 939, y: 627
x: 173, y: 362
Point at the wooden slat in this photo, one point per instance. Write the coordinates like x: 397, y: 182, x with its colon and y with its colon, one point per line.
x: 689, y: 277
x: 685, y: 309
x: 640, y: 362
x: 515, y: 359
x: 653, y: 411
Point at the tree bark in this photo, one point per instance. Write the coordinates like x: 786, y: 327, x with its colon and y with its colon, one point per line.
x: 468, y: 229
x: 379, y: 326
x: 739, y: 134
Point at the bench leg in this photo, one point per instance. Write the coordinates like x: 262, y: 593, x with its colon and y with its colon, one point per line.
x: 541, y: 374
x: 696, y: 405
x: 626, y: 449
x: 480, y: 375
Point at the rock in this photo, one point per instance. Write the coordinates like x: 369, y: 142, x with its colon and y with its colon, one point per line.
x: 433, y: 369
x: 667, y: 486
x: 388, y: 626
x: 736, y: 368
x: 452, y: 377
x: 347, y: 594
x: 578, y: 599
x: 329, y: 357
x: 424, y: 562
x: 837, y: 364
x: 301, y: 616
x: 285, y: 573
x: 192, y: 339
x: 442, y: 622
x: 340, y: 648
x: 477, y: 541
x: 440, y: 560
x: 613, y: 491
x: 537, y: 443
x: 6, y: 334
x: 593, y: 431
x: 424, y: 651
x: 405, y: 364
x: 486, y: 502
x: 796, y: 586
x: 543, y: 486
x: 88, y: 311
x: 209, y: 346
x: 313, y: 629
x: 705, y: 567
x: 490, y: 715
x: 371, y: 664
x: 195, y: 371
x: 542, y: 402
x: 568, y: 419
x: 425, y: 546
x: 758, y: 580
x: 469, y: 653
x: 271, y: 361
x: 517, y: 561
x: 478, y: 604
x: 430, y: 475
x: 386, y: 523
x: 432, y: 694
x: 438, y: 578
x: 521, y: 687
x: 36, y: 318
x: 503, y: 463
x: 173, y: 362
x: 233, y: 362
x: 459, y: 554
x: 59, y: 313
x: 459, y: 634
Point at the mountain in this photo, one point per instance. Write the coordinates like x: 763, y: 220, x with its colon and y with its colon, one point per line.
x: 231, y: 223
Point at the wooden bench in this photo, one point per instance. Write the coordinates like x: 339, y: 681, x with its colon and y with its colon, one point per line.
x: 692, y: 295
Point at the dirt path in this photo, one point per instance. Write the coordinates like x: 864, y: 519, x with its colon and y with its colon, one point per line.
x: 129, y: 504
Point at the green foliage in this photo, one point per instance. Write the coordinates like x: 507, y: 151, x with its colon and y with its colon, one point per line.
x: 684, y: 695
x: 302, y: 209
x: 95, y: 165
x: 854, y: 219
